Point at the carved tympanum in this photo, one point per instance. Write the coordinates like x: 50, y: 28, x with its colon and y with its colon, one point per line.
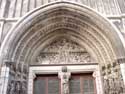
x: 64, y: 51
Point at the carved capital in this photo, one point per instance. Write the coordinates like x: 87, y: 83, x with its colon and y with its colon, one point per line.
x: 64, y: 71
x: 120, y: 60
x: 109, y: 68
x: 103, y: 67
x: 9, y: 64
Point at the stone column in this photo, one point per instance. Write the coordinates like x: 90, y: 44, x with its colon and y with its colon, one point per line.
x: 1, y: 31
x: 31, y: 78
x: 121, y: 61
x: 13, y: 79
x: 106, y: 71
x: 98, y: 80
x: 5, y: 70
x: 123, y: 27
x: 21, y: 78
x: 3, y: 8
x: 64, y: 75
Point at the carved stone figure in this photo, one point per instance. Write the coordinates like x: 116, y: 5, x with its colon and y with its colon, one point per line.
x: 11, y: 88
x: 120, y: 86
x: 106, y: 86
x: 23, y: 87
x: 64, y: 75
x: 65, y: 85
x: 18, y: 87
x: 113, y: 84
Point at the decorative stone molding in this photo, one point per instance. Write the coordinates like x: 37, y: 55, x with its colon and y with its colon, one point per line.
x: 50, y: 29
x: 95, y: 18
x: 71, y: 68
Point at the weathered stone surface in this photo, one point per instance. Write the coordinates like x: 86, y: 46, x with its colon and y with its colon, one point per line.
x: 21, y: 7
x: 89, y: 38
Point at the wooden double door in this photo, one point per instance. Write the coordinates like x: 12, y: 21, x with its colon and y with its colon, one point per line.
x: 51, y: 84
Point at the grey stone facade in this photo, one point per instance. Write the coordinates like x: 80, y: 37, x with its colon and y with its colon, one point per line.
x: 13, y: 10
x: 27, y: 27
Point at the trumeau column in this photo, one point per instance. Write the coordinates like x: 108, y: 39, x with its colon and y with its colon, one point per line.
x: 121, y: 61
x: 64, y: 75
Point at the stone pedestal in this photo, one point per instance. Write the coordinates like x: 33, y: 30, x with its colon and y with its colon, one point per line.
x: 31, y: 78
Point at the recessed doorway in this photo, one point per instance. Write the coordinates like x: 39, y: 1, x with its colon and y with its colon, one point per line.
x: 80, y: 83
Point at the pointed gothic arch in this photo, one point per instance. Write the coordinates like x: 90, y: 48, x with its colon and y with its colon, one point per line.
x: 52, y: 20
x: 74, y: 22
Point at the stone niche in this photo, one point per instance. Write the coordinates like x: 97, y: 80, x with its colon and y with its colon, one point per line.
x: 64, y: 51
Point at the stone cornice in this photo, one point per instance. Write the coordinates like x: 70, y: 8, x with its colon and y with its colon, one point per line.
x: 110, y: 17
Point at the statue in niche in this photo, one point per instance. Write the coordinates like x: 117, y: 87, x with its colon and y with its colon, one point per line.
x: 106, y: 86
x: 23, y: 87
x: 65, y: 85
x: 111, y: 84
x: 18, y: 87
x: 119, y: 86
x: 11, y: 88
x: 64, y: 75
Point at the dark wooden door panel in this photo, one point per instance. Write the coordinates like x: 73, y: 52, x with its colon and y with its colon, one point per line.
x: 88, y: 86
x: 39, y: 86
x: 78, y: 84
x: 46, y: 84
x: 53, y: 86
x: 74, y: 86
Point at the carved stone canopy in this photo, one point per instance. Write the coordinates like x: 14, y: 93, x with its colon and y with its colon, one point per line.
x: 64, y: 51
x: 64, y: 69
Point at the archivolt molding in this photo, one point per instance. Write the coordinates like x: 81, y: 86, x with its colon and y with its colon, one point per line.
x: 83, y: 41
x: 70, y: 28
x: 17, y: 35
x: 55, y: 35
x: 49, y: 27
